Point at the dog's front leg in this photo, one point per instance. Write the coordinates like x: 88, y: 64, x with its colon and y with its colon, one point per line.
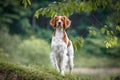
x: 70, y: 63
x: 64, y: 60
x: 54, y: 61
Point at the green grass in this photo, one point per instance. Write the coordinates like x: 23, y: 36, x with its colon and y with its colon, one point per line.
x: 96, y: 62
x: 10, y: 71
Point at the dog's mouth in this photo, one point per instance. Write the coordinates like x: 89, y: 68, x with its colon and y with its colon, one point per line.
x: 59, y: 25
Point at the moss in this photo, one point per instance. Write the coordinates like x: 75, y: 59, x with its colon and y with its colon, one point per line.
x: 9, y: 71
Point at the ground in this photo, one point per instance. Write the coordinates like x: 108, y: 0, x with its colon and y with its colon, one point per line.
x: 10, y: 71
x: 99, y: 73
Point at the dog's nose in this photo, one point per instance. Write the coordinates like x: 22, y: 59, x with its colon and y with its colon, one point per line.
x: 59, y: 23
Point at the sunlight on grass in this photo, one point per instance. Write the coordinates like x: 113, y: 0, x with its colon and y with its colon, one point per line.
x: 15, y: 71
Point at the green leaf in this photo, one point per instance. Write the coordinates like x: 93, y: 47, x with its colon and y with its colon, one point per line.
x: 108, y: 32
x: 29, y: 2
x: 78, y: 43
x: 111, y: 41
x: 111, y: 32
x: 103, y: 30
x: 26, y: 2
x: 92, y: 32
x: 38, y: 12
x: 118, y: 27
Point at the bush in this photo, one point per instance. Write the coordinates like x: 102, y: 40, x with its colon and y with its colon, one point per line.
x: 8, y: 43
x: 27, y: 51
x: 32, y: 51
x: 95, y: 54
x: 43, y: 33
x: 3, y: 56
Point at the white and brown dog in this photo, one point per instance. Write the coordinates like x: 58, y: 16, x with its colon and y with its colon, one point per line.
x: 62, y: 53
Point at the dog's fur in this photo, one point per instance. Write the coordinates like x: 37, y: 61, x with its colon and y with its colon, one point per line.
x: 62, y: 52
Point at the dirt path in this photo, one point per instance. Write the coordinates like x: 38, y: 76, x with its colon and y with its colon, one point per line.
x: 98, y: 73
x: 96, y: 70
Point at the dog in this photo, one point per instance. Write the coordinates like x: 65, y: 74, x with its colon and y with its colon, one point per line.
x: 62, y: 52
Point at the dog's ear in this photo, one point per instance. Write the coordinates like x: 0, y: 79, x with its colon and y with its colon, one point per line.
x: 67, y: 22
x: 52, y: 21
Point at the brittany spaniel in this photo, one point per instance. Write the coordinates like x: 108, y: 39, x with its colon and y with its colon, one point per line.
x: 62, y: 49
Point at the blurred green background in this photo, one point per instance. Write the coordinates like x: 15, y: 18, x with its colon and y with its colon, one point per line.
x: 26, y: 40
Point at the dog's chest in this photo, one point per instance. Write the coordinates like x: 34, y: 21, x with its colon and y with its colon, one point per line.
x: 58, y: 42
x: 58, y: 45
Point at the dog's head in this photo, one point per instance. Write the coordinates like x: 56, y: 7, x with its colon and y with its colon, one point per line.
x: 60, y: 22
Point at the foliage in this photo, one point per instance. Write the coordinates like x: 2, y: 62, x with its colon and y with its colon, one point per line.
x: 6, y: 17
x: 24, y: 26
x: 76, y: 6
x: 45, y: 34
x: 13, y: 48
x: 15, y: 17
x: 3, y: 56
x: 111, y: 39
x: 32, y: 51
x: 8, y: 43
x: 78, y: 43
x: 26, y: 2
x: 95, y: 54
x: 118, y: 28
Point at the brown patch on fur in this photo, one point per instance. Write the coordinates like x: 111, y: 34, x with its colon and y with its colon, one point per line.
x: 68, y: 44
x: 67, y: 22
x: 53, y: 21
x: 64, y: 37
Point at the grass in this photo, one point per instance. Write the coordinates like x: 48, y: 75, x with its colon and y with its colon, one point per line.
x: 96, y: 62
x: 9, y: 71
